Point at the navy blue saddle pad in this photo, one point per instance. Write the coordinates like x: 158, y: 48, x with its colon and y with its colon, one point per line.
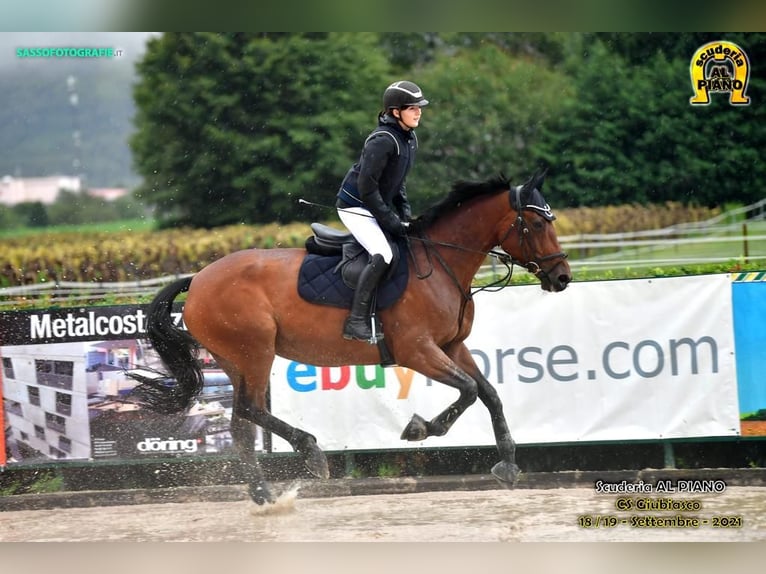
x: 317, y: 283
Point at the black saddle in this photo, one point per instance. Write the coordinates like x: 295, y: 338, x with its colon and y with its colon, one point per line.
x: 327, y: 240
x: 354, y: 258
x: 330, y: 271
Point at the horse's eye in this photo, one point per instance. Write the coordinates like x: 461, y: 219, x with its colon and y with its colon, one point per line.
x: 538, y: 225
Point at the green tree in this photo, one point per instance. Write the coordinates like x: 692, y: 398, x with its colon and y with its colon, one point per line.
x: 31, y: 214
x: 542, y: 46
x: 410, y: 50
x: 487, y: 109
x: 236, y: 127
x: 71, y: 208
x: 7, y: 219
x: 629, y: 133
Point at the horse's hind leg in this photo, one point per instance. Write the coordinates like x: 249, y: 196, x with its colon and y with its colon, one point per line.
x: 301, y: 441
x: 250, y: 404
x: 246, y: 413
x: 243, y: 434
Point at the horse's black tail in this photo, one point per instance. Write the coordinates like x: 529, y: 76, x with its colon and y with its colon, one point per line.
x: 171, y: 393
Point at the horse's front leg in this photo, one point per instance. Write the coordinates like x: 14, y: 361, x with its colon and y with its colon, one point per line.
x: 506, y: 471
x: 435, y: 364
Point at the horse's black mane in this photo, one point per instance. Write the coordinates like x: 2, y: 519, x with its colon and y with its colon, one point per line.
x: 461, y: 192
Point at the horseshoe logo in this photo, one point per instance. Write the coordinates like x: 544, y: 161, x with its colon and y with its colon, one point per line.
x: 720, y: 67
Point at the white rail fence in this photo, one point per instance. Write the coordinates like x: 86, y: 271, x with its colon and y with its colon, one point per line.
x: 71, y: 291
x: 603, y: 251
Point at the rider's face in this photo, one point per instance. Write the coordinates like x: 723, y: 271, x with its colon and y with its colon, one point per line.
x: 409, y: 117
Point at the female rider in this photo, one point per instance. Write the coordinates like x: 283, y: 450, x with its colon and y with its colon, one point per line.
x: 372, y: 199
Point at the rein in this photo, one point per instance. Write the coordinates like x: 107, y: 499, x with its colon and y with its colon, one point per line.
x: 428, y: 244
x: 503, y: 258
x: 534, y: 266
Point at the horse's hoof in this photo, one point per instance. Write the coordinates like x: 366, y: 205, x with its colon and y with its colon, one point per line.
x: 261, y: 494
x: 416, y: 429
x: 313, y: 457
x: 507, y: 473
x: 316, y: 464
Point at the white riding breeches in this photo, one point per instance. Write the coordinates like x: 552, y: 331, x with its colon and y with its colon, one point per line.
x: 361, y: 223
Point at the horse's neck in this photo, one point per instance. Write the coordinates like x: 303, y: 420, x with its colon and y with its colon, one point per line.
x: 463, y: 242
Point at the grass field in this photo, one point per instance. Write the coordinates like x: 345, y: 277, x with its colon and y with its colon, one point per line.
x: 731, y: 245
x: 141, y: 224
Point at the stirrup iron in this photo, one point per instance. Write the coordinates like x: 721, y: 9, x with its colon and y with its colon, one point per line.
x: 373, y: 329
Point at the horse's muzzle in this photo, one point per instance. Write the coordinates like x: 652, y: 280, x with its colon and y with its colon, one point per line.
x: 556, y: 278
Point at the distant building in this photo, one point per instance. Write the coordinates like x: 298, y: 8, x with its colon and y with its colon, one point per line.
x: 107, y: 193
x: 14, y: 190
x: 46, y: 401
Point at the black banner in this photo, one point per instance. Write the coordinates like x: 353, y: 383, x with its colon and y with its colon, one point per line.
x: 74, y: 324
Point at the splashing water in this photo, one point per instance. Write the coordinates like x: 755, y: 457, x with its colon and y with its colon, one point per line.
x: 284, y: 503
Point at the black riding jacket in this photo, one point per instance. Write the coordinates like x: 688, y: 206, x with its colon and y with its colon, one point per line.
x: 377, y: 181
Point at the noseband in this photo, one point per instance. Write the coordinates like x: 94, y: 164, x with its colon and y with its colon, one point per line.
x: 533, y: 264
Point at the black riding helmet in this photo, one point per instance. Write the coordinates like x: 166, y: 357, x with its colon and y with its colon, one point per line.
x: 403, y: 94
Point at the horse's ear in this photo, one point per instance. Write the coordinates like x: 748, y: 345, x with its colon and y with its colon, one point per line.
x: 535, y: 182
x: 539, y: 178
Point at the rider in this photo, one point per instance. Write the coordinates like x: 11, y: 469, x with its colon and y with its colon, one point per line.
x: 372, y: 197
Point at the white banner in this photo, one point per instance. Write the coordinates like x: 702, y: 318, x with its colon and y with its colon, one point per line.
x: 601, y: 361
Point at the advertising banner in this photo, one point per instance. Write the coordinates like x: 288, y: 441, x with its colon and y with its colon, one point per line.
x: 601, y: 361
x: 65, y: 383
x: 749, y: 297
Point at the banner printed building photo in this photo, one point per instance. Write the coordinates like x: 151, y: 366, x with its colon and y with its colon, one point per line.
x: 69, y: 401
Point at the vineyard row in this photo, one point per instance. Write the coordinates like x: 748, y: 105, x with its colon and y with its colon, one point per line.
x: 139, y: 255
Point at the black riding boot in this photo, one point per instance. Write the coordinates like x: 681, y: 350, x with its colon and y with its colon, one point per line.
x: 358, y: 323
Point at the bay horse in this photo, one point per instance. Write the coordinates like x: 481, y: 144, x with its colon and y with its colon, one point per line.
x: 244, y: 309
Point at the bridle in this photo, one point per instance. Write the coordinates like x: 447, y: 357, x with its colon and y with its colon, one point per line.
x: 533, y: 265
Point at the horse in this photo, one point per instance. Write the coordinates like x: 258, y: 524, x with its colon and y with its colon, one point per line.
x: 244, y: 309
